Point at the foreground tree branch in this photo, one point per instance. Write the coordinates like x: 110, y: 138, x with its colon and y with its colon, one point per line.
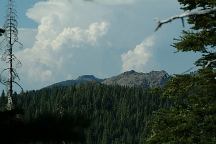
x: 209, y: 63
x: 185, y: 14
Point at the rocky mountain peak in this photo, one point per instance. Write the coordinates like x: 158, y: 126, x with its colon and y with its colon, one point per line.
x: 129, y: 72
x: 136, y: 79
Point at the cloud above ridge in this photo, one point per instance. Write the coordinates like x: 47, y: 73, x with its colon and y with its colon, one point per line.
x: 77, y: 37
x: 56, y: 42
x: 138, y: 57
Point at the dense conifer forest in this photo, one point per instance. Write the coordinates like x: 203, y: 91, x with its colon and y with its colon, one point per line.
x: 114, y: 114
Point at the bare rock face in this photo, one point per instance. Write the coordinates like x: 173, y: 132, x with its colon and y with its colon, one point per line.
x: 135, y: 79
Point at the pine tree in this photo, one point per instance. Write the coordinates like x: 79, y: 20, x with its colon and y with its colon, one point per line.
x: 201, y: 37
x: 3, y: 101
x: 191, y: 117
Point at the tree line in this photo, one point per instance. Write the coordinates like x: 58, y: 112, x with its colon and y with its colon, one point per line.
x: 115, y: 114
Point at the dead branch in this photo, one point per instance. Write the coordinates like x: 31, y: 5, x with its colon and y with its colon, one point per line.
x: 183, y: 15
x: 209, y: 63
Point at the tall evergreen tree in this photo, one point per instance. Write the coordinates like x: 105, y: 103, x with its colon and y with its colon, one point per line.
x: 191, y: 117
x: 3, y: 101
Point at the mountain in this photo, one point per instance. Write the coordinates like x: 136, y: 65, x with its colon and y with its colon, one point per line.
x: 129, y: 78
x: 80, y: 80
x: 110, y: 111
x: 135, y: 79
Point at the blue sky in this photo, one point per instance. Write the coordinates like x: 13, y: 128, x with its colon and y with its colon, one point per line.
x: 64, y: 39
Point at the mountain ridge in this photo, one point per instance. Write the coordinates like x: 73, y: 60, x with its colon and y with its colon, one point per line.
x: 133, y: 79
x: 80, y: 80
x: 129, y: 78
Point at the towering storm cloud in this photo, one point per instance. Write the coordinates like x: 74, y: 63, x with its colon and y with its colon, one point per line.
x: 56, y: 42
x: 99, y: 37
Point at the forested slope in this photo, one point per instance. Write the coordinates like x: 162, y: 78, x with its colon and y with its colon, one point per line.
x: 116, y: 114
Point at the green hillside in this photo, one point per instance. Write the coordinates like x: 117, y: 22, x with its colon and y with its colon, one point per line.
x: 116, y: 114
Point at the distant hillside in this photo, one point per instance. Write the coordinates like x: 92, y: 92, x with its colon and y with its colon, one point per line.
x: 129, y: 78
x: 80, y: 80
x: 133, y: 78
x: 116, y: 114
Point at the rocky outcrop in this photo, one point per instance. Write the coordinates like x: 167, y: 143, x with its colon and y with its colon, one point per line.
x: 135, y: 79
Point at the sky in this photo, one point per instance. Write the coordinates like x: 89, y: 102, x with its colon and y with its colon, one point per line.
x: 64, y: 39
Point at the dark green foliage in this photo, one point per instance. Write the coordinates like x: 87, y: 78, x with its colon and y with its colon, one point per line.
x: 192, y: 4
x: 3, y: 101
x: 191, y: 117
x: 1, y: 31
x: 117, y: 114
x: 201, y: 38
x: 46, y: 128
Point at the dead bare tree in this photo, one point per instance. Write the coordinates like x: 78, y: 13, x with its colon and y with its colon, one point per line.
x: 7, y: 45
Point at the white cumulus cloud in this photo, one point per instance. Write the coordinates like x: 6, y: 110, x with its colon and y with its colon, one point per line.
x: 138, y: 58
x: 77, y: 36
x: 56, y: 42
x: 115, y: 2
